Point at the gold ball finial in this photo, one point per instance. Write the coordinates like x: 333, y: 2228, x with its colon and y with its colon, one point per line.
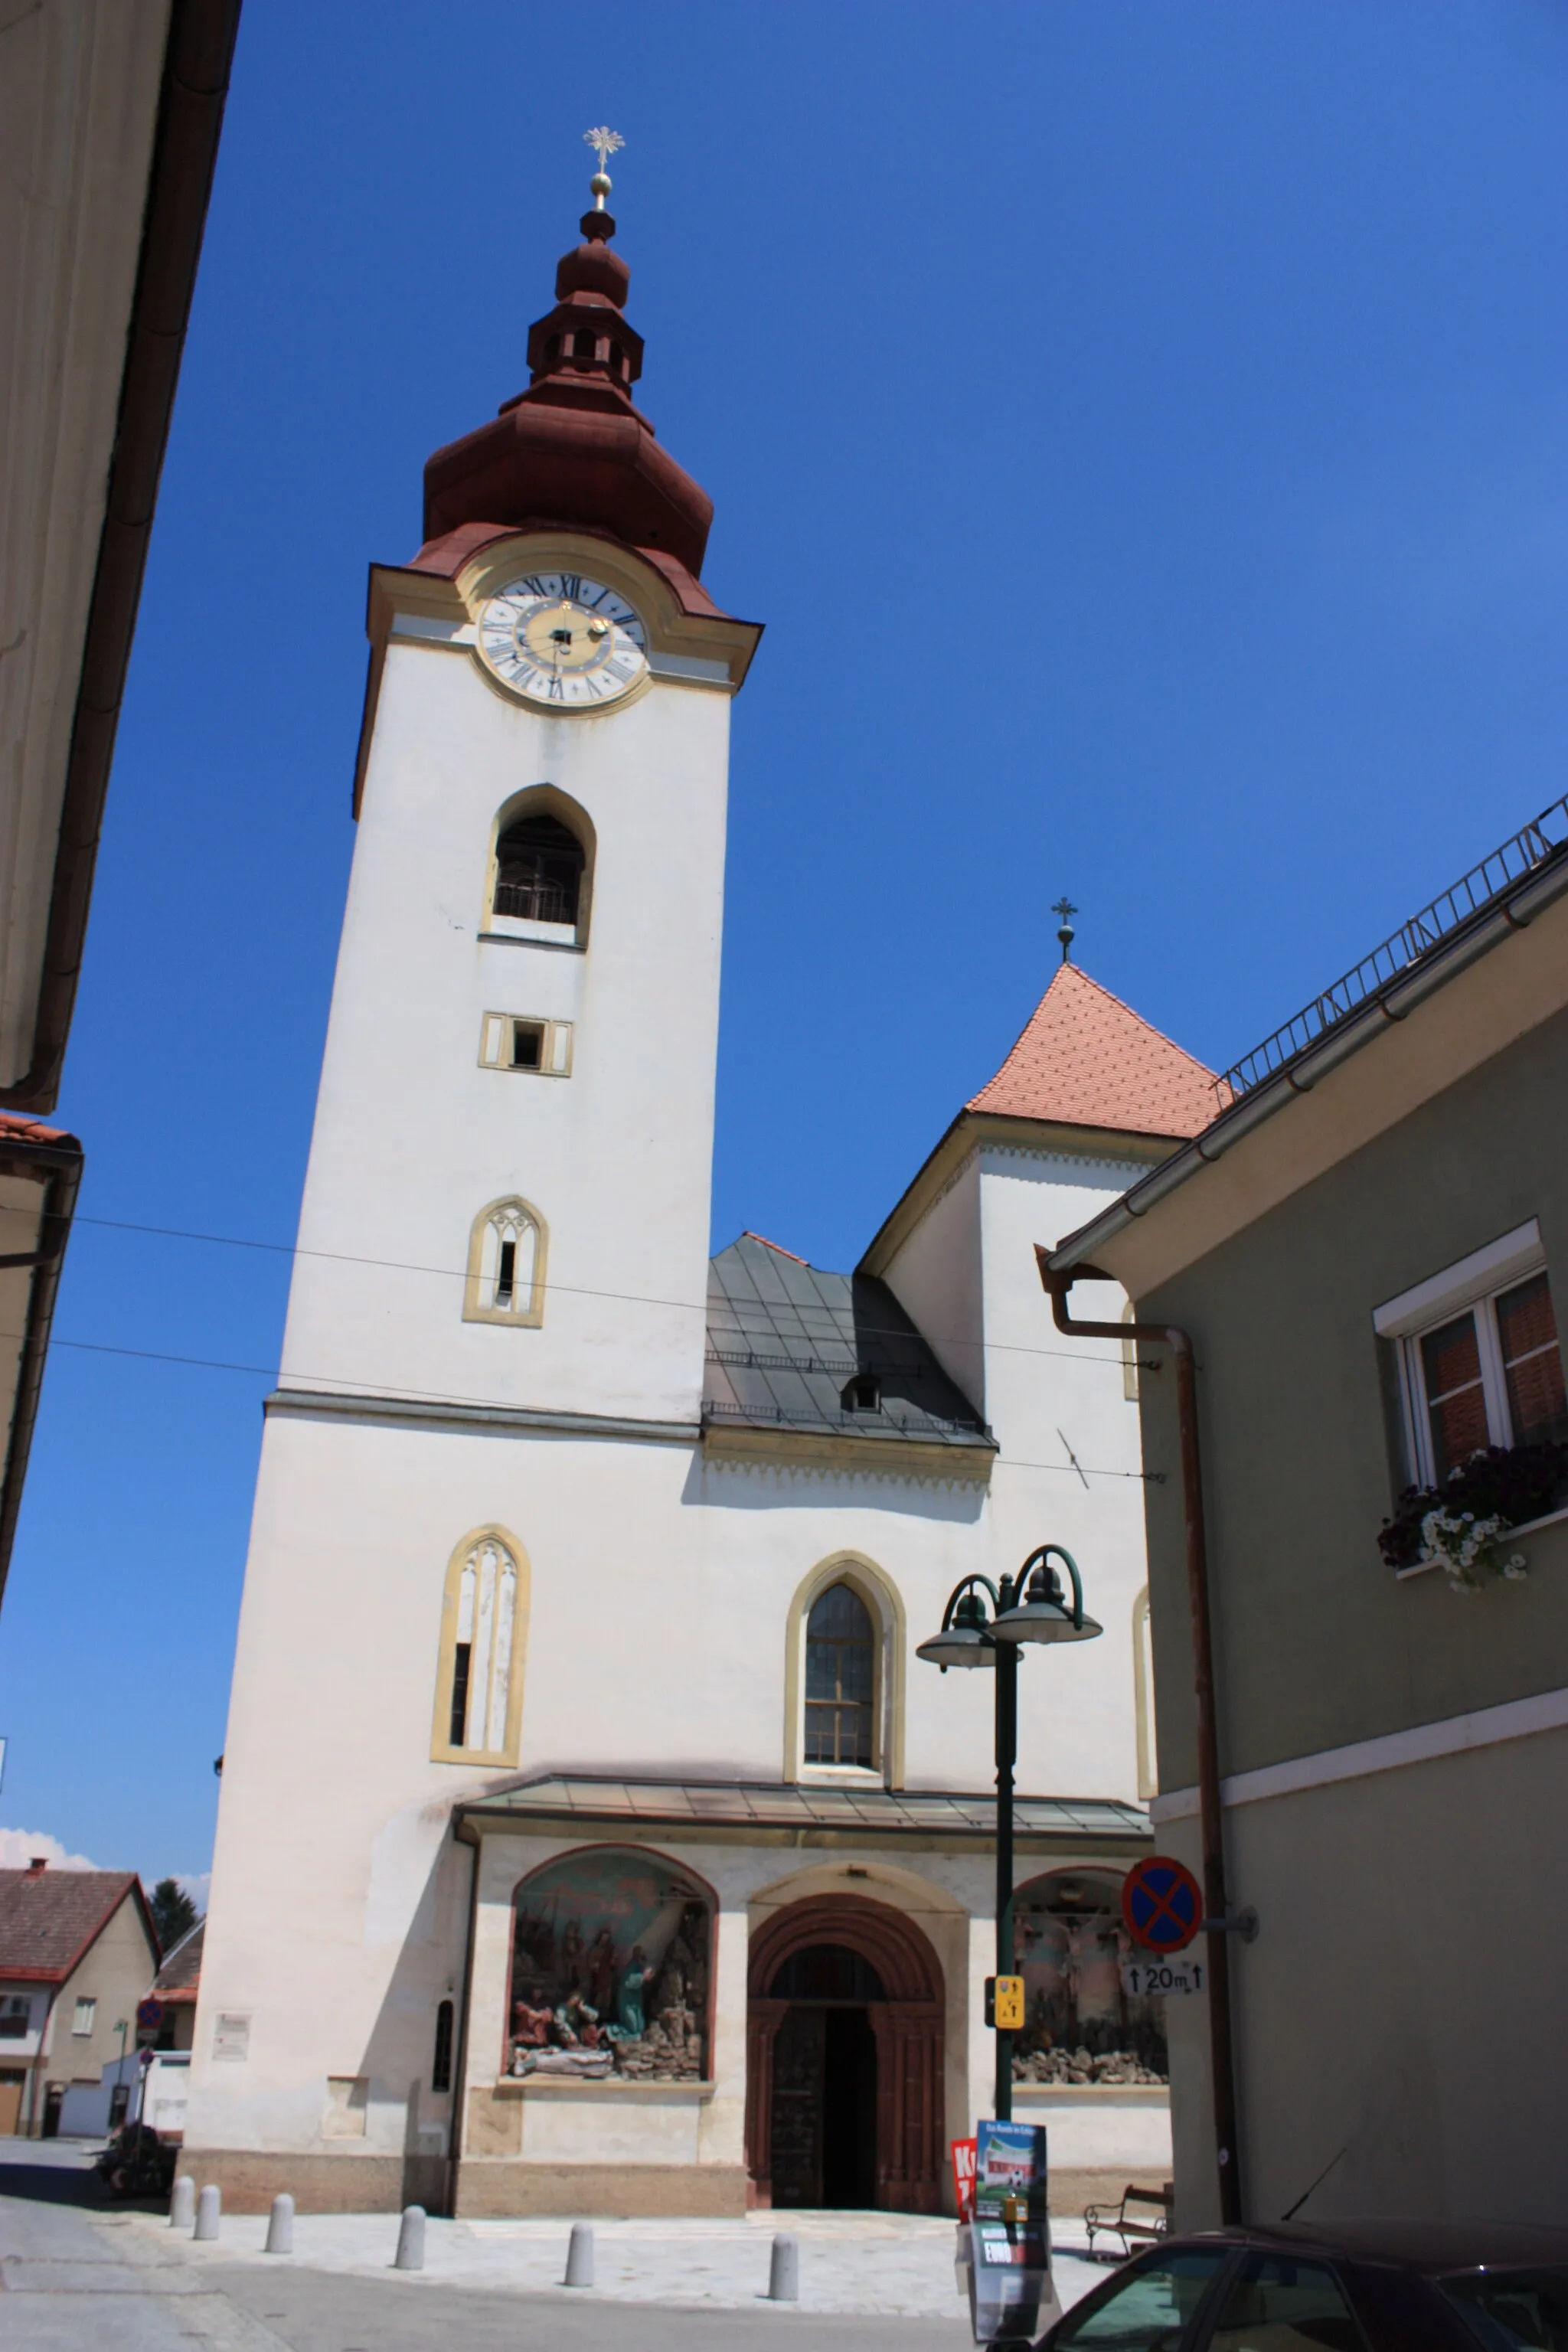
x: 606, y: 144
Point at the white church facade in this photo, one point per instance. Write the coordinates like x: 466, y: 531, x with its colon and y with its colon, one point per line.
x: 591, y: 1838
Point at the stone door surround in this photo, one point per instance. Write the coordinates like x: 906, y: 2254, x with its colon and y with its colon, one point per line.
x: 907, y: 2025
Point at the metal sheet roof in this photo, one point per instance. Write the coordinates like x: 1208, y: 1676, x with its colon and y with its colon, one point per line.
x: 784, y: 1339
x: 744, y: 1805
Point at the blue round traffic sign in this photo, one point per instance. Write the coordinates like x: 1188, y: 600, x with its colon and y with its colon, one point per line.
x: 1161, y: 1904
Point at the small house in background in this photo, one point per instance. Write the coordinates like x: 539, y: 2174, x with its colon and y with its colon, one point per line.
x: 174, y: 1990
x: 78, y: 1951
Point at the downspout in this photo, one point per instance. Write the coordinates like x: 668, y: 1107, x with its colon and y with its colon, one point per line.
x: 1211, y: 1820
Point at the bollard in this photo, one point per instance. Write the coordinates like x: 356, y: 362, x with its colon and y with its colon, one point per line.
x: 182, y: 2203
x: 784, y: 2271
x: 580, y: 2255
x: 209, y: 2205
x: 410, y: 2255
x: 281, y: 2226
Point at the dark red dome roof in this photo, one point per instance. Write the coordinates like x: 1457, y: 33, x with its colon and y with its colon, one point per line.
x: 573, y: 449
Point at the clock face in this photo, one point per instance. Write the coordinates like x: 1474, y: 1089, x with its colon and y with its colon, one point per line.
x: 563, y: 641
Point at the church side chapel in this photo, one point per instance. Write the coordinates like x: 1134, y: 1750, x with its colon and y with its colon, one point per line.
x: 636, y: 1864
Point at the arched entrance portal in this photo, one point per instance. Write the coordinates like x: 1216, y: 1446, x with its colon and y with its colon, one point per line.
x: 844, y: 2054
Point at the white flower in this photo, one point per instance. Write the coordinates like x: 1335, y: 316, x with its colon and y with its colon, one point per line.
x: 1466, y: 1548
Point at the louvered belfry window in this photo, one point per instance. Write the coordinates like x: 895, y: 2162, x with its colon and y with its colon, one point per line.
x: 840, y: 1679
x: 538, y: 870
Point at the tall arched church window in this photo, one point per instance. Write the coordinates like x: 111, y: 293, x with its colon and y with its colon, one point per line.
x: 506, y: 1265
x: 538, y: 870
x: 844, y: 1639
x: 484, y: 1633
x: 840, y: 1680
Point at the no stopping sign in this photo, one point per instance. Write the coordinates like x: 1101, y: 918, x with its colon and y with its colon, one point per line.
x: 1161, y: 1904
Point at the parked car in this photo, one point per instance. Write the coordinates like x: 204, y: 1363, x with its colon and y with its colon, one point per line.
x: 1343, y: 2286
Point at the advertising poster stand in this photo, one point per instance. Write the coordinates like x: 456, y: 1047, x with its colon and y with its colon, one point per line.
x: 1005, y: 2250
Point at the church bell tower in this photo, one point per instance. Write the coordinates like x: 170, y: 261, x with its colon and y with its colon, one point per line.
x: 508, y: 1198
x: 492, y: 1368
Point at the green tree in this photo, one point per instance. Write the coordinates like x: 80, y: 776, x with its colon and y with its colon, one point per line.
x: 174, y: 1913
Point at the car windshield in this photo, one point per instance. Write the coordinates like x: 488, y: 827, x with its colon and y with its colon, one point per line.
x: 1146, y: 2310
x: 1513, y: 2311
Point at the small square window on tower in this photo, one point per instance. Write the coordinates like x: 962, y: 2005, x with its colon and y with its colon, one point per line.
x: 521, y: 1041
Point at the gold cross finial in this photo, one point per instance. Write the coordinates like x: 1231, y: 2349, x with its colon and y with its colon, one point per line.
x: 1066, y: 910
x: 605, y: 143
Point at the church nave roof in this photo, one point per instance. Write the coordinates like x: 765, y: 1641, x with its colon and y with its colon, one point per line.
x: 791, y: 1347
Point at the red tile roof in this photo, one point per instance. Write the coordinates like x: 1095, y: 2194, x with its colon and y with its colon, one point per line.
x: 180, y: 1976
x: 1088, y: 1060
x: 15, y: 1128
x: 777, y: 1247
x: 49, y: 1917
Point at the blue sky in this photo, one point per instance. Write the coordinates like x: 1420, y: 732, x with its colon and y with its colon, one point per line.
x: 1141, y: 429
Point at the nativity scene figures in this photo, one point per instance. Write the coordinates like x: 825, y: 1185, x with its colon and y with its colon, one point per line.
x: 610, y: 1969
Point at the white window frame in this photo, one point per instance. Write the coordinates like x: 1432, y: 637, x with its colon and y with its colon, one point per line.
x: 83, y: 2017
x: 555, y: 1046
x: 1474, y: 1283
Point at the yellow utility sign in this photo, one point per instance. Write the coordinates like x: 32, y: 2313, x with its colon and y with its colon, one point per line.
x: 1005, y: 2003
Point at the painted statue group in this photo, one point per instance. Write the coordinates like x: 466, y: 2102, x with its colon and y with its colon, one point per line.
x: 579, y: 2007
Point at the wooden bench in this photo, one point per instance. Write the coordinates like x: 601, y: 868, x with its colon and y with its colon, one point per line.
x: 1154, y: 2223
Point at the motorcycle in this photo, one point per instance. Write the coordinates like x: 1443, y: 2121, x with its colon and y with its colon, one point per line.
x: 136, y: 2163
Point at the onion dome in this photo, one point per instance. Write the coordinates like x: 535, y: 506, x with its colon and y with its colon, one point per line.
x: 573, y: 450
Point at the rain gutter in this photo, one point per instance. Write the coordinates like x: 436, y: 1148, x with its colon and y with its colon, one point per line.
x: 1513, y: 909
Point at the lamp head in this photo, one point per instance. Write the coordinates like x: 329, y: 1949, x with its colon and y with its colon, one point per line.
x: 965, y: 1638
x: 1045, y: 1613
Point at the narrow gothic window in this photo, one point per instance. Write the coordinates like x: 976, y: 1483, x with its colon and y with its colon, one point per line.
x: 840, y: 1679
x: 462, y: 1659
x: 441, y: 2063
x: 538, y: 870
x: 483, y: 1648
x: 506, y: 1265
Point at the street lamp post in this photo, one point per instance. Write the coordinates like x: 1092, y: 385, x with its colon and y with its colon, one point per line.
x: 1028, y: 1607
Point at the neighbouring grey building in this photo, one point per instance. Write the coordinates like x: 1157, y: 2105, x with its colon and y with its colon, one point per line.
x: 1363, y: 1247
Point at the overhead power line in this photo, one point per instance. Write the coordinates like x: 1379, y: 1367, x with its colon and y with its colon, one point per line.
x: 564, y: 1290
x: 333, y: 1384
